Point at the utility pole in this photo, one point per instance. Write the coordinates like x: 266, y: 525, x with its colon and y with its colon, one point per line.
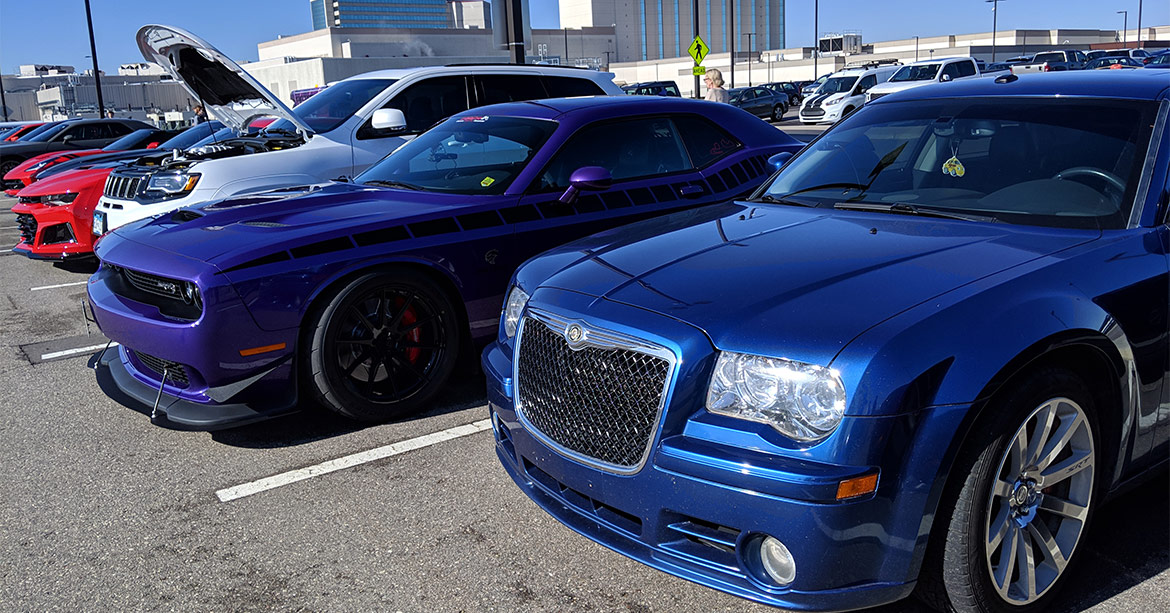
x: 97, y: 78
x: 3, y: 103
x: 695, y: 28
x: 731, y: 37
x: 915, y: 48
x: 1124, y: 27
x: 1139, y: 33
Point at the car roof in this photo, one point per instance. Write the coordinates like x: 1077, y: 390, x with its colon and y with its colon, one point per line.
x: 1135, y: 84
x: 937, y: 60
x: 553, y: 108
x: 402, y: 73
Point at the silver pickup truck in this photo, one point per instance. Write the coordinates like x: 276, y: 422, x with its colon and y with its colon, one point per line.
x: 1052, y: 61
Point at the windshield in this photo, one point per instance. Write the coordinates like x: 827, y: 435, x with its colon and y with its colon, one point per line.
x: 916, y: 73
x: 47, y: 133
x: 837, y: 85
x: 137, y: 139
x: 1061, y: 163
x: 220, y: 135
x: 37, y: 131
x: 192, y: 135
x: 463, y: 155
x: 330, y: 108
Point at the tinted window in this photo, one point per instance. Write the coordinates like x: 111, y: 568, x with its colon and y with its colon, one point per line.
x: 426, y: 102
x: 330, y: 108
x: 43, y: 132
x: 497, y: 88
x: 706, y: 142
x: 118, y: 129
x: 966, y: 69
x: 136, y: 140
x: 565, y: 87
x: 989, y: 157
x: 627, y: 149
x: 464, y: 155
x: 192, y: 135
x: 89, y: 131
x: 866, y: 83
x: 952, y: 70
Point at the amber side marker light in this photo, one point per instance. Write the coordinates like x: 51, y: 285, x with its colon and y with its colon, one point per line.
x: 279, y: 346
x: 857, y: 486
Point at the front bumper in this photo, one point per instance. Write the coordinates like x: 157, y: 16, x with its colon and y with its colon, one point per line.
x: 218, y: 386
x: 57, y: 233
x: 828, y: 115
x: 713, y: 486
x: 121, y: 212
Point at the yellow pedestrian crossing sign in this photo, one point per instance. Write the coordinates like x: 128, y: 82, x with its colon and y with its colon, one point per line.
x: 698, y: 50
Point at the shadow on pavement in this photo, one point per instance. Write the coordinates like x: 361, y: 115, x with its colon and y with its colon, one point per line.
x: 86, y: 266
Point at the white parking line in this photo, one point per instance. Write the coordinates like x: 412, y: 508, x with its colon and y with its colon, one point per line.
x: 349, y: 461
x: 35, y: 289
x: 64, y: 352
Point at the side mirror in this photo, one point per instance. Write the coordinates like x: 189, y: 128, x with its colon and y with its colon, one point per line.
x: 67, y: 138
x: 586, y: 179
x: 388, y: 119
x: 780, y: 159
x: 946, y: 78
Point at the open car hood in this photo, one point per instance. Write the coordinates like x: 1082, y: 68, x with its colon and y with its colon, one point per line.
x: 225, y: 90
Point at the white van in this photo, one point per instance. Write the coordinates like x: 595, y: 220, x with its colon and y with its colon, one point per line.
x: 925, y: 73
x: 843, y: 93
x: 338, y: 132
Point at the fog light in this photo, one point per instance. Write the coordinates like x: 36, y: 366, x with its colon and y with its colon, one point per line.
x: 777, y: 561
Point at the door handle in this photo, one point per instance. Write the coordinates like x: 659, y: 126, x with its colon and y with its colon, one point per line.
x: 691, y: 191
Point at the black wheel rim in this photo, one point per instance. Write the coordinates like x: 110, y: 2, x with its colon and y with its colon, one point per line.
x: 387, y: 344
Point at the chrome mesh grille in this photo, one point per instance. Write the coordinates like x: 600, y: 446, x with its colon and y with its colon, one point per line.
x: 600, y: 403
x: 176, y: 372
x: 122, y: 188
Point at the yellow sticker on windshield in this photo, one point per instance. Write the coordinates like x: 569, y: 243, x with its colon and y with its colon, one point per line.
x: 486, y: 181
x: 954, y: 167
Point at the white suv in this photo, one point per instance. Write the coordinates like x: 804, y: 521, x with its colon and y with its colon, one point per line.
x: 842, y: 93
x: 338, y: 132
x: 925, y: 73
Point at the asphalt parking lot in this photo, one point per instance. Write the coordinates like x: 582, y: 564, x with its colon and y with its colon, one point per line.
x: 104, y: 511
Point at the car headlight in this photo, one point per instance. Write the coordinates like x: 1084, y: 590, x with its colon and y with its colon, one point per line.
x: 517, y: 298
x: 172, y: 184
x: 58, y: 199
x: 804, y: 402
x: 834, y: 102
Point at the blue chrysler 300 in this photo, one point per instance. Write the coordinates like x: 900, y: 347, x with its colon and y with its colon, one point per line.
x: 362, y: 295
x: 921, y: 356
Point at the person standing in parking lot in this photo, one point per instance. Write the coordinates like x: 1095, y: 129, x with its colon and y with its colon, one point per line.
x: 200, y: 114
x: 715, y: 91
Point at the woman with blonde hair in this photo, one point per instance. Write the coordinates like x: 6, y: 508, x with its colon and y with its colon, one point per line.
x: 715, y: 91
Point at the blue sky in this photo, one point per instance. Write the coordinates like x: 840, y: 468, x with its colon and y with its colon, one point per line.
x: 236, y: 26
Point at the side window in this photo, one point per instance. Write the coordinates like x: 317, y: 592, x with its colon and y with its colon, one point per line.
x: 627, y: 149
x: 706, y: 142
x: 566, y: 87
x: 867, y: 82
x: 118, y: 129
x: 672, y: 90
x: 428, y: 101
x: 952, y: 69
x: 497, y: 88
x: 967, y: 69
x: 748, y: 95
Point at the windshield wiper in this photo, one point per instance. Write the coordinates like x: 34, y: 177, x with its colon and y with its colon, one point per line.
x: 902, y: 208
x: 770, y: 199
x: 382, y: 183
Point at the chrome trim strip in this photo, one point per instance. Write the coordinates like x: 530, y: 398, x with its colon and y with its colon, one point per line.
x: 1143, y: 189
x: 599, y: 338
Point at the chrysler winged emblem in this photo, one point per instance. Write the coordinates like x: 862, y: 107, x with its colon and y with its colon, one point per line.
x: 574, y: 334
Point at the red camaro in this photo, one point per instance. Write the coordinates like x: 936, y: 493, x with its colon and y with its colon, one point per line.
x: 26, y: 171
x: 15, y: 135
x: 55, y: 215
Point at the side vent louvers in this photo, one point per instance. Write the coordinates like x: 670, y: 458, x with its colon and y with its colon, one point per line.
x: 320, y: 247
x: 381, y: 235
x: 433, y: 227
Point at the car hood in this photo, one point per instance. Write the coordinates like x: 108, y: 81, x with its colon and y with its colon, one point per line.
x: 103, y: 160
x: 65, y: 183
x: 238, y: 230
x: 60, y: 156
x: 889, y: 88
x: 232, y: 95
x: 785, y: 281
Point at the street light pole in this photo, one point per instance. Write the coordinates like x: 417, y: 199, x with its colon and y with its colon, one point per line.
x: 994, y: 24
x: 1124, y: 26
x: 97, y: 79
x: 695, y: 28
x: 3, y: 102
x: 749, y: 36
x: 915, y: 48
x: 731, y: 37
x: 1139, y: 32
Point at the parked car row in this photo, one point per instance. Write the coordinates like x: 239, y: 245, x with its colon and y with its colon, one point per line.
x: 913, y: 357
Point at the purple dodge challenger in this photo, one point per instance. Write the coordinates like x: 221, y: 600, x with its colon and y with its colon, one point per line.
x: 362, y: 295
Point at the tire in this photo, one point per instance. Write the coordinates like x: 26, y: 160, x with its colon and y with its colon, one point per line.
x: 992, y: 521
x: 777, y: 112
x: 383, y: 346
x: 7, y: 166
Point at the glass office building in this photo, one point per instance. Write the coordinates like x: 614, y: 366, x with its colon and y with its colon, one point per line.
x: 380, y: 14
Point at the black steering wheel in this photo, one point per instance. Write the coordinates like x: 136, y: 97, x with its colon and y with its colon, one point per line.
x: 1108, y: 177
